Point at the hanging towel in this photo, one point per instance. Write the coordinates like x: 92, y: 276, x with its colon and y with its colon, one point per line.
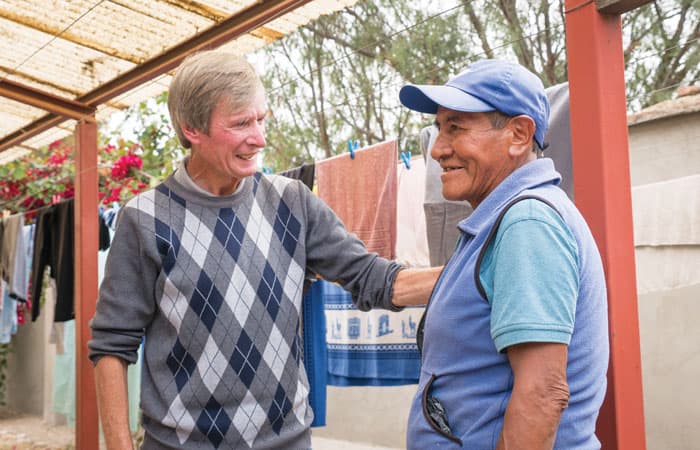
x: 305, y: 173
x: 362, y: 192
x: 375, y: 348
x: 369, y: 349
x: 8, y: 249
x: 315, y: 358
x: 411, y: 239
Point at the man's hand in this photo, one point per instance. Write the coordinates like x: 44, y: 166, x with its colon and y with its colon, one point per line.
x: 414, y: 286
x: 540, y: 395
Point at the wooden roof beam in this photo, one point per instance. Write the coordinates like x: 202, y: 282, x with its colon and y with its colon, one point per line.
x: 618, y: 6
x: 43, y: 100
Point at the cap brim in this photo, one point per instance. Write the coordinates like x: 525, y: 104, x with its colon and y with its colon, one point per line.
x: 427, y: 98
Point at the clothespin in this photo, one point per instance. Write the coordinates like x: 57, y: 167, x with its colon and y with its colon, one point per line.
x: 352, y: 147
x: 406, y: 158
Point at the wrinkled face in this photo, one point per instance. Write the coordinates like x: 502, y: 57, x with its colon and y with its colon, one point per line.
x: 227, y: 153
x: 474, y: 155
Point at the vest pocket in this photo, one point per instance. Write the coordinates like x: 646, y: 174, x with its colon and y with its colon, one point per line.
x: 435, y: 414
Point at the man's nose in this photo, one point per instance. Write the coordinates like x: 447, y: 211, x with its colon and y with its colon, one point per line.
x: 256, y: 137
x: 440, y: 149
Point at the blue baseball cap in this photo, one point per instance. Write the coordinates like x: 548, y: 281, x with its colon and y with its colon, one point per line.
x: 487, y: 85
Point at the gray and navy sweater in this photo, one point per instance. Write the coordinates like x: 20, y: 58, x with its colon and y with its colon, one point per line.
x: 215, y: 285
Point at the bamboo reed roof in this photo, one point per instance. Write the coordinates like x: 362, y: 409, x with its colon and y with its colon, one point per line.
x: 91, y: 52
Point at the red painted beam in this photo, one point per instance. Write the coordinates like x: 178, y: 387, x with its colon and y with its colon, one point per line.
x: 603, y: 194
x: 86, y: 247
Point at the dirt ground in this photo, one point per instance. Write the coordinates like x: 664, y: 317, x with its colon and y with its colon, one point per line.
x: 23, y: 432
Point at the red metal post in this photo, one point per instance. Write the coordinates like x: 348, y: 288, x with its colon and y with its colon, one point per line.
x: 86, y: 247
x: 602, y: 186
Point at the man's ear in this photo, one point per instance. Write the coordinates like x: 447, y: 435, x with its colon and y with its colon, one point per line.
x: 192, y: 134
x: 523, y: 130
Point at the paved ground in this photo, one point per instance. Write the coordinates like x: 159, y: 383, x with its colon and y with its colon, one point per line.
x: 21, y: 432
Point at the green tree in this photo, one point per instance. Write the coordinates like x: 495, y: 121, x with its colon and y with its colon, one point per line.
x: 338, y: 77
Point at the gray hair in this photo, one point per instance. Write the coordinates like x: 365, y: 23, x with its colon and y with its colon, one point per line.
x: 499, y: 120
x: 202, y: 81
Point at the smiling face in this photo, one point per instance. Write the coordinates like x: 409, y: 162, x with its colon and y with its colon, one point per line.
x: 474, y: 155
x: 227, y: 153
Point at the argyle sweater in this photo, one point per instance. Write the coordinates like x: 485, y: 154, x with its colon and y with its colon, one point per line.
x: 215, y: 284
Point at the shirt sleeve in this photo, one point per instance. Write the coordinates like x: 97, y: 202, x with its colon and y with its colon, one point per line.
x: 339, y: 256
x: 530, y: 275
x: 126, y: 303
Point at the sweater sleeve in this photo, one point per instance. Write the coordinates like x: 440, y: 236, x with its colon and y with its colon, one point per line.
x: 126, y: 302
x: 339, y: 256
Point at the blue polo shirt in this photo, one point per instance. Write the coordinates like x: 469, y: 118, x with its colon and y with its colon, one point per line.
x: 542, y: 281
x: 531, y: 303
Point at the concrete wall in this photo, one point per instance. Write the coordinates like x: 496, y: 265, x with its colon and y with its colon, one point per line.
x: 30, y: 368
x: 664, y: 149
x: 669, y: 338
x: 25, y: 373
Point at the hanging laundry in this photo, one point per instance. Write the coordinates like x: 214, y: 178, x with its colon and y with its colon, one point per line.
x: 12, y: 238
x: 375, y: 348
x: 109, y: 215
x: 18, y: 288
x: 53, y: 248
x: 368, y: 349
x: 441, y: 215
x: 8, y: 314
x: 315, y: 355
x: 305, y: 173
x: 411, y: 236
x: 559, y: 135
x: 362, y: 192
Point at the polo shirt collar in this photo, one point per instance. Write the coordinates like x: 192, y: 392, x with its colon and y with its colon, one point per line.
x: 531, y: 175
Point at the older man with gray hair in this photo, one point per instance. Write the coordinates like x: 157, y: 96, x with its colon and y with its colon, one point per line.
x: 209, y: 268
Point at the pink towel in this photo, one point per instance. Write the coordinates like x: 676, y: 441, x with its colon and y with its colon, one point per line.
x: 362, y: 192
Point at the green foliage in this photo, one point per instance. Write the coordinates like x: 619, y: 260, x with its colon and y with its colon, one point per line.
x: 338, y: 77
x: 661, y: 50
x: 125, y: 166
x: 158, y: 145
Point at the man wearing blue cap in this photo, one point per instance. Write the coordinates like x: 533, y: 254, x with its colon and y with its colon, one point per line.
x: 515, y: 340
